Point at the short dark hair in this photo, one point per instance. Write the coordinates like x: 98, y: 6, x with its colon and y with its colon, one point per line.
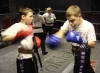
x: 36, y: 10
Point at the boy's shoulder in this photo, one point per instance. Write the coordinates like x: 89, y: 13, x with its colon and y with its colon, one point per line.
x: 88, y: 23
x: 45, y: 13
x: 17, y: 25
x: 40, y: 16
x: 52, y: 13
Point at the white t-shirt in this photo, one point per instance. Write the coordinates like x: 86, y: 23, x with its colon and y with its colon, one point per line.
x: 37, y: 22
x: 49, y: 18
x: 85, y: 29
x: 26, y: 43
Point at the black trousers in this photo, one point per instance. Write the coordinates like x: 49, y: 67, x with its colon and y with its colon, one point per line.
x: 82, y: 61
x: 41, y: 35
x: 48, y: 29
x: 27, y: 65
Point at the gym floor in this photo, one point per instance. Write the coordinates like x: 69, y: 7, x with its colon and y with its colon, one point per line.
x: 58, y: 60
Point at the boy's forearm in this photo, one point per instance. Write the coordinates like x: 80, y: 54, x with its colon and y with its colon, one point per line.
x: 60, y: 33
x: 7, y: 38
x: 92, y: 44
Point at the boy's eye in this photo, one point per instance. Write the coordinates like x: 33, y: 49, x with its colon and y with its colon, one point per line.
x: 72, y: 20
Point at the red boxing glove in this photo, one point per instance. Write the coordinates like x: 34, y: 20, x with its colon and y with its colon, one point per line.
x: 38, y: 42
x: 23, y: 33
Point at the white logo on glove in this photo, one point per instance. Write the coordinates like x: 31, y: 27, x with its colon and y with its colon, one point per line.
x: 78, y: 37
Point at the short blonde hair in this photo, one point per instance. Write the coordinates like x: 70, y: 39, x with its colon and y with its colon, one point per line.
x: 73, y: 10
x: 49, y: 9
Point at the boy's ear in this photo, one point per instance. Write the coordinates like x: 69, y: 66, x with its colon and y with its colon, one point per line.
x: 23, y: 16
x: 80, y: 15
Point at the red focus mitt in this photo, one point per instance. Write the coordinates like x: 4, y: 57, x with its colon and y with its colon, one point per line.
x: 23, y: 33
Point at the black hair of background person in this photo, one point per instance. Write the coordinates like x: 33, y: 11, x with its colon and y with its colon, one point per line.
x: 36, y: 10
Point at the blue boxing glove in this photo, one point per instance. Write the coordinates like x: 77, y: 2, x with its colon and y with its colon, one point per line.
x: 53, y: 41
x: 75, y: 37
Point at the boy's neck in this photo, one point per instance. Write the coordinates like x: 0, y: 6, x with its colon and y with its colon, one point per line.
x: 81, y: 20
x: 22, y: 22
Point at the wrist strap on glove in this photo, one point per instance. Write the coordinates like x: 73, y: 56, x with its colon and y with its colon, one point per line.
x: 84, y: 44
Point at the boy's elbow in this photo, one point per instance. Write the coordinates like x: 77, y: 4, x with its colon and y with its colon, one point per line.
x: 92, y: 44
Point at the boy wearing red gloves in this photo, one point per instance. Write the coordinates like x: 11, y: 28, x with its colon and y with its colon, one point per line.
x: 22, y: 33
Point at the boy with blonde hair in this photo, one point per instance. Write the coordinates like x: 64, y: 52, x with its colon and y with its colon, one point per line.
x: 49, y: 20
x: 82, y: 35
